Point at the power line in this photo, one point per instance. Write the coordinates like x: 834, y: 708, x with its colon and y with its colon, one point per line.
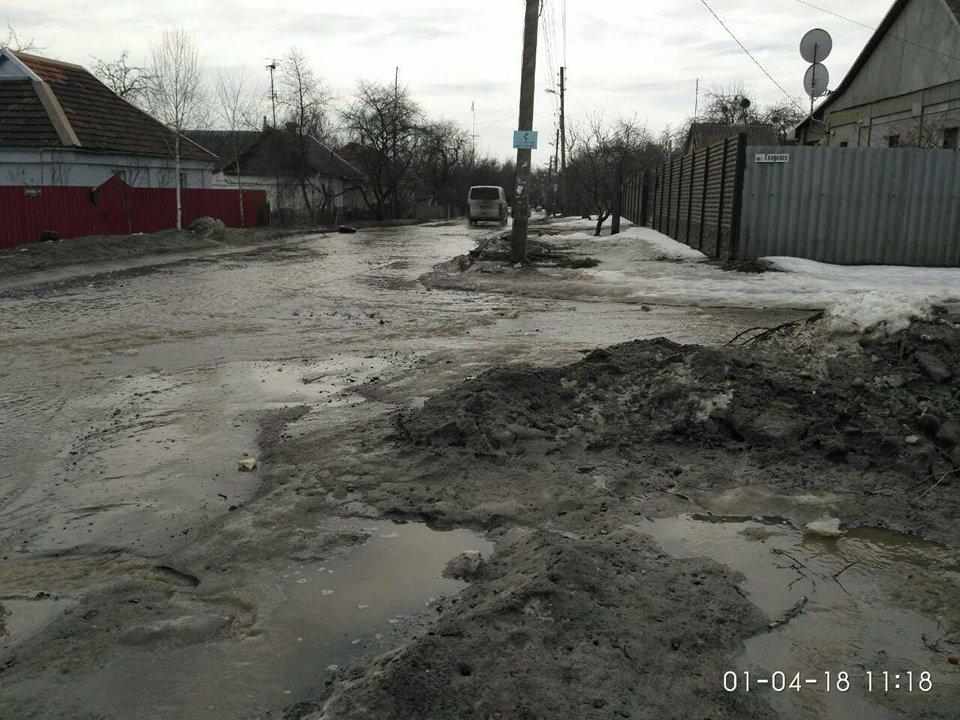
x: 902, y: 39
x: 751, y: 56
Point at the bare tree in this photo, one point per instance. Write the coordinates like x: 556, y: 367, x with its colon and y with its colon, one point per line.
x: 601, y: 157
x: 306, y: 102
x: 732, y: 106
x: 131, y: 82
x: 175, y: 95
x: 383, y: 123
x: 16, y: 43
x: 445, y: 150
x: 235, y: 107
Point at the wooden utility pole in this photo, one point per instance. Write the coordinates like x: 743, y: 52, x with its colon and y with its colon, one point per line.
x: 555, y: 188
x: 275, y: 209
x: 528, y: 79
x: 563, y: 140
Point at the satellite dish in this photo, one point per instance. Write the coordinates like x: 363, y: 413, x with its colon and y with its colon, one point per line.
x: 816, y: 80
x: 816, y: 45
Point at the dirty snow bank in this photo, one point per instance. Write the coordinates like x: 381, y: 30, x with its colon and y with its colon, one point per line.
x: 863, y: 296
x: 878, y: 312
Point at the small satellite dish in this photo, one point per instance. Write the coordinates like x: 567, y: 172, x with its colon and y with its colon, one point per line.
x: 816, y: 80
x: 816, y: 45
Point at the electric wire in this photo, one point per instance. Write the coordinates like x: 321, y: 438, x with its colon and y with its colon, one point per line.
x: 900, y: 38
x: 749, y: 54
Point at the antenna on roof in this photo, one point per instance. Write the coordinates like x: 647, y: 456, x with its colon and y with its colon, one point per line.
x: 815, y: 47
x: 273, y: 94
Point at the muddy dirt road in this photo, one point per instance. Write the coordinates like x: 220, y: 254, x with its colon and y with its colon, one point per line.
x: 143, y: 575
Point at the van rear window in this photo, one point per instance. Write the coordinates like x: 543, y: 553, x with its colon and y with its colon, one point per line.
x: 484, y: 193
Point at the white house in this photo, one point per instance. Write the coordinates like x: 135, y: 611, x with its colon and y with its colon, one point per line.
x: 903, y: 89
x: 60, y: 126
x: 300, y: 175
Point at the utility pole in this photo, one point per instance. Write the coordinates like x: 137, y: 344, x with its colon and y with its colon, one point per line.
x: 273, y: 102
x: 528, y: 80
x: 273, y: 94
x: 563, y: 140
x: 556, y: 167
x: 473, y: 138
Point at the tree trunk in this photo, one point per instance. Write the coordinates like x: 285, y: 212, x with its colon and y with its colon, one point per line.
x: 243, y: 220
x: 600, y: 220
x: 176, y: 153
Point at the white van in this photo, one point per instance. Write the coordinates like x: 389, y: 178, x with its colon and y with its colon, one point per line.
x: 487, y: 202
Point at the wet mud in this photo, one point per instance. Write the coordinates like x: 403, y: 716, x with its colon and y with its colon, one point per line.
x: 639, y: 509
x: 603, y: 479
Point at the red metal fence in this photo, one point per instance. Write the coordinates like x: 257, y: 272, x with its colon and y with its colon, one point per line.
x: 115, y: 208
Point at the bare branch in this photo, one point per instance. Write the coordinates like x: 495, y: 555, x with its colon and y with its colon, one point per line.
x: 16, y: 43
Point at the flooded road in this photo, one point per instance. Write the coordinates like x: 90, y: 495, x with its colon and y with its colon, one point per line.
x: 131, y: 396
x: 857, y: 623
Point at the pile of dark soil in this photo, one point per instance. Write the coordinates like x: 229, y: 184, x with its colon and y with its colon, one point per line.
x: 880, y: 413
x: 578, y: 614
x: 559, y: 643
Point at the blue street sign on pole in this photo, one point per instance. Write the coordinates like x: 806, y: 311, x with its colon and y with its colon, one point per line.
x: 525, y: 139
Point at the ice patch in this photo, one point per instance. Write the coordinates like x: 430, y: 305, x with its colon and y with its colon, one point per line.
x: 878, y: 312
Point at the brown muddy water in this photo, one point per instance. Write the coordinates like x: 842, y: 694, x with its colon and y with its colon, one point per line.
x: 312, y: 618
x: 843, y: 612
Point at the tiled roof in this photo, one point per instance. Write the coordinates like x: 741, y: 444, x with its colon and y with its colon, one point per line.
x: 277, y: 152
x: 703, y: 134
x: 102, y: 120
x: 23, y: 119
x: 221, y: 142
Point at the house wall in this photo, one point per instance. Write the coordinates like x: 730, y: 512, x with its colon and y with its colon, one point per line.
x: 903, y: 89
x: 70, y: 168
x: 290, y: 193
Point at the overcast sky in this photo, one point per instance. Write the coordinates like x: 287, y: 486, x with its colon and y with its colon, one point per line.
x: 636, y: 58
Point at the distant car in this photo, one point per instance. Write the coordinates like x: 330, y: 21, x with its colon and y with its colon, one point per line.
x: 487, y: 202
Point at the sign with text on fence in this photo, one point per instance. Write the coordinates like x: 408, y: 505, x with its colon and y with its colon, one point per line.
x: 524, y: 139
x: 771, y: 158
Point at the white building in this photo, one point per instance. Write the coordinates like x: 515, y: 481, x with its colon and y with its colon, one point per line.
x: 60, y: 126
x: 904, y: 88
x: 300, y: 175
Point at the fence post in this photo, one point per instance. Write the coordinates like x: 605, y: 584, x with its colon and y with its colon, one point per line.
x: 733, y: 250
x: 676, y: 227
x: 644, y: 199
x: 703, y: 198
x: 724, y: 168
x: 693, y: 175
x: 661, y: 185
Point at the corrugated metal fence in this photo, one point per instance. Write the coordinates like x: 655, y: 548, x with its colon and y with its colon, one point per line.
x: 854, y: 206
x: 897, y: 206
x: 696, y: 197
x: 115, y: 208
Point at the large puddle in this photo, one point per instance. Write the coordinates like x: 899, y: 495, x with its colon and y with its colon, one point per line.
x: 867, y: 603
x: 312, y: 617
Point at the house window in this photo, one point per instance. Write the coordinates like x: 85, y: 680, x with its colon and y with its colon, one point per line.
x: 893, y: 141
x: 844, y: 144
x: 950, y: 138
